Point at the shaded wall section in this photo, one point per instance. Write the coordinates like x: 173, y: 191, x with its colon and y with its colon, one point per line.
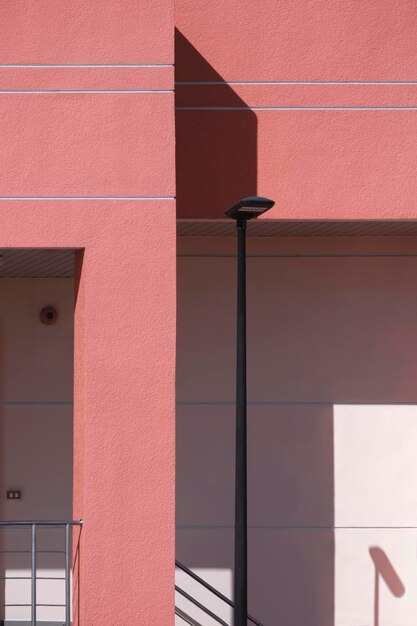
x: 36, y: 407
x: 216, y: 151
x: 290, y: 441
x: 332, y: 425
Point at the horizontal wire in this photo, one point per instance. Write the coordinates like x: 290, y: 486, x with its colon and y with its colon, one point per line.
x: 299, y: 108
x: 295, y: 82
x: 49, y: 605
x: 30, y: 578
x: 85, y: 65
x: 30, y: 551
x: 296, y: 403
x: 36, y: 403
x: 87, y: 198
x: 39, y: 91
x: 318, y: 255
x: 300, y: 528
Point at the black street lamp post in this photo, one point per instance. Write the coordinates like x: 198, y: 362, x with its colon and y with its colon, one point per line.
x: 244, y: 210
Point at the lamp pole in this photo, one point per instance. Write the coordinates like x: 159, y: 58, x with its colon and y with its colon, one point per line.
x: 241, y: 496
x: 245, y: 209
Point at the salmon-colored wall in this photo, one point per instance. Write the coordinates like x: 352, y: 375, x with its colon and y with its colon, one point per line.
x: 278, y: 98
x: 87, y: 162
x: 124, y: 414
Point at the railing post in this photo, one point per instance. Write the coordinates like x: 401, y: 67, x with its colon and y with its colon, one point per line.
x: 67, y: 577
x: 33, y: 599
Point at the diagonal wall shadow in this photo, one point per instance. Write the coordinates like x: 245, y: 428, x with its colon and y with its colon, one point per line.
x: 291, y: 467
x: 216, y: 150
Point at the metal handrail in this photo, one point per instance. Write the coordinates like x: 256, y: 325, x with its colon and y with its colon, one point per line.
x: 201, y: 606
x: 33, y: 525
x: 213, y: 590
x: 42, y: 523
x: 185, y: 618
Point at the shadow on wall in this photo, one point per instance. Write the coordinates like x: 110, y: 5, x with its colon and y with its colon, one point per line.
x: 290, y: 447
x: 216, y: 165
x: 332, y: 412
x: 2, y: 541
x: 36, y: 362
x: 384, y: 570
x: 290, y: 475
x: 216, y: 150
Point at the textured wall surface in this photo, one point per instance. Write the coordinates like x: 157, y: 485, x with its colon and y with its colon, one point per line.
x: 124, y: 395
x: 311, y: 103
x: 87, y: 116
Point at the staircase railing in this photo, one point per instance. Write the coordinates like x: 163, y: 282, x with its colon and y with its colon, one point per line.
x: 199, y: 605
x: 32, y: 527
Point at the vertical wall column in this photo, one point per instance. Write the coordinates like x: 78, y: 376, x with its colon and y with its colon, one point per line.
x: 87, y: 160
x: 124, y: 419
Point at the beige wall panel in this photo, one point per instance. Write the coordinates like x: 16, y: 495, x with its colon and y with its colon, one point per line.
x: 36, y: 360
x: 290, y: 465
x: 337, y: 330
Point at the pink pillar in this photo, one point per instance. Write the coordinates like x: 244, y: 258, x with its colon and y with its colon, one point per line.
x: 87, y: 162
x: 124, y: 396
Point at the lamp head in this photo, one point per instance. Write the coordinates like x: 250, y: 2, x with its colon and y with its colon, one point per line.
x: 248, y: 208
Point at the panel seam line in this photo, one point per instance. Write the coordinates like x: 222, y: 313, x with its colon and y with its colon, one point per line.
x: 295, y: 527
x: 86, y: 65
x: 302, y: 82
x: 87, y: 197
x: 40, y: 91
x: 298, y: 108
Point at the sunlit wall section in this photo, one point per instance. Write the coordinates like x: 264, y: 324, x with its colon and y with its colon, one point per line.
x: 375, y: 513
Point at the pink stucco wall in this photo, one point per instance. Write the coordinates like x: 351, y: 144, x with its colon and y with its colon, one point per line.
x: 91, y: 151
x: 124, y: 410
x: 87, y: 161
x: 323, y: 150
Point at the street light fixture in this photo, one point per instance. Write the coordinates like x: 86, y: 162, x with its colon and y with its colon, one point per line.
x: 244, y: 210
x: 248, y: 208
